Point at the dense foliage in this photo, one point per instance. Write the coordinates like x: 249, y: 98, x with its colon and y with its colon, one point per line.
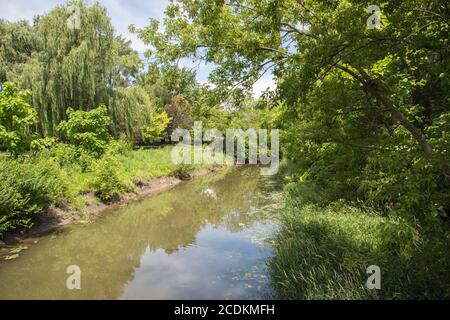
x: 87, y: 67
x: 16, y: 118
x: 87, y: 130
x: 67, y: 95
x: 26, y: 188
x: 156, y: 130
x: 363, y: 112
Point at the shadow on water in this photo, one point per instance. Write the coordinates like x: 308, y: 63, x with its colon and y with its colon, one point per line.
x: 205, y: 239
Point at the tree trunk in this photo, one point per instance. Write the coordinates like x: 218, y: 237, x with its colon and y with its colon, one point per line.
x: 374, y: 89
x: 378, y: 93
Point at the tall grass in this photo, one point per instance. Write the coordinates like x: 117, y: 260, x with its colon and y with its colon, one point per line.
x: 147, y: 164
x: 128, y: 165
x: 323, y: 253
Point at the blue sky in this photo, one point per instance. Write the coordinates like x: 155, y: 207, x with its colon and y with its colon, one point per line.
x: 122, y: 13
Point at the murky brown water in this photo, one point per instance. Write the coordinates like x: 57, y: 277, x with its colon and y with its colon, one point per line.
x: 187, y: 243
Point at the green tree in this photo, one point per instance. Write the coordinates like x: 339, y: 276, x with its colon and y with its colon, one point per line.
x: 68, y: 67
x: 16, y: 118
x: 157, y: 129
x: 87, y: 129
x: 358, y: 103
x: 17, y: 43
x: 130, y: 109
x: 167, y: 81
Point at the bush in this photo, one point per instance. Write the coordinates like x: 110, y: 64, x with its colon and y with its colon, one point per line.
x: 87, y: 130
x: 179, y: 111
x: 324, y: 254
x: 183, y: 171
x: 156, y: 129
x: 107, y: 182
x: 27, y: 187
x: 67, y: 155
x: 39, y: 145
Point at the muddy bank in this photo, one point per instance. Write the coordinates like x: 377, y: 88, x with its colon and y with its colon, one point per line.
x: 56, y: 217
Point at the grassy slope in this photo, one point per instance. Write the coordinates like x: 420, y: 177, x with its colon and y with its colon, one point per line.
x: 324, y: 254
x: 132, y: 165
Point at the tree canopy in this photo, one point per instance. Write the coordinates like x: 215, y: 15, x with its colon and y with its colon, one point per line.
x: 357, y: 103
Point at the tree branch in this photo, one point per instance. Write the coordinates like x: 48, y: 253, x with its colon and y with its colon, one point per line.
x: 379, y: 93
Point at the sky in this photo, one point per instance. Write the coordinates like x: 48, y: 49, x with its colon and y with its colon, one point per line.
x: 122, y: 13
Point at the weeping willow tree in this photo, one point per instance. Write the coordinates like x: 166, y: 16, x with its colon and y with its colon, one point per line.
x: 130, y: 110
x: 85, y: 67
x: 17, y: 42
x: 76, y: 67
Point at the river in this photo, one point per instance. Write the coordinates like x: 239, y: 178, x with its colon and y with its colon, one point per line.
x: 208, y: 238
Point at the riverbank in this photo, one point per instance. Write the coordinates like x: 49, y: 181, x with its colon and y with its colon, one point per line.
x: 129, y: 175
x: 55, y: 218
x: 206, y: 238
x: 324, y: 252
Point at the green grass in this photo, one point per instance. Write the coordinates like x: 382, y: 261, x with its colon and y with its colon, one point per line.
x: 128, y: 168
x: 147, y: 164
x: 131, y: 166
x: 324, y: 254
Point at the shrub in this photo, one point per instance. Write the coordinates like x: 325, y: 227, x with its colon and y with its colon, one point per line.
x: 157, y: 128
x: 87, y: 129
x: 39, y: 145
x: 107, y: 182
x: 183, y: 171
x: 27, y: 187
x: 179, y: 111
x: 67, y: 155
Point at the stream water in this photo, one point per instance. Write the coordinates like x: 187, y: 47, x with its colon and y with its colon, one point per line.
x: 205, y: 239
